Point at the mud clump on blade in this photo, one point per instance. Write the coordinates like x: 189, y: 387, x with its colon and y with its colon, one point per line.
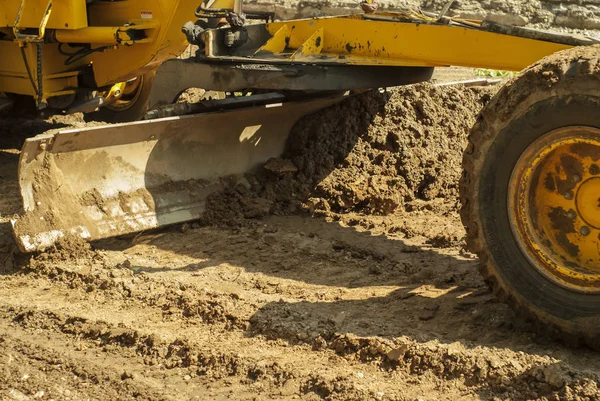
x: 236, y: 203
x: 67, y: 248
x: 375, y: 153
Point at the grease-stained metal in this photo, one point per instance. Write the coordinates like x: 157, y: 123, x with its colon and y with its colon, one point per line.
x: 393, y: 40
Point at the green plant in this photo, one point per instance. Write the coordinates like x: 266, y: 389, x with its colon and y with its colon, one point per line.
x: 487, y: 72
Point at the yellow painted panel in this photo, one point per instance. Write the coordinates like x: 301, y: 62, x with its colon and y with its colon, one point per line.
x: 371, y: 42
x: 66, y: 14
x: 277, y: 43
x: 165, y: 17
x: 311, y: 47
x: 123, y: 63
x: 22, y: 85
x: 13, y: 75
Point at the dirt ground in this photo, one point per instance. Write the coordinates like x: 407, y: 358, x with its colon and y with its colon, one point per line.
x: 338, y: 274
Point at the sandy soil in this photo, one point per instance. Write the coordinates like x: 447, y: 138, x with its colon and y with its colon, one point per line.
x: 339, y: 274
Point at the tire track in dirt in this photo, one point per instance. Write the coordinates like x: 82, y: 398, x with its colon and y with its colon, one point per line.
x: 210, y: 355
x: 58, y: 369
x: 474, y: 367
x: 216, y: 354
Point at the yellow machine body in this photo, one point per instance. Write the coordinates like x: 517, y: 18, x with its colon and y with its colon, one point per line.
x: 364, y: 40
x: 135, y: 36
x: 65, y: 14
x: 132, y: 37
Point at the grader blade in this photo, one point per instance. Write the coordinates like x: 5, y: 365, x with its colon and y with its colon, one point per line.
x: 112, y: 180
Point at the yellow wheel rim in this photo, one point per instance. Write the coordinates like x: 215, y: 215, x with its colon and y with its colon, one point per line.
x: 554, y: 206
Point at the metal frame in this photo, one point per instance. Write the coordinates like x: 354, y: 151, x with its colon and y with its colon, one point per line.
x: 175, y: 76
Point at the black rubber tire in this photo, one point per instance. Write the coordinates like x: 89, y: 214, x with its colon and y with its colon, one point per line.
x: 134, y: 113
x: 560, y: 90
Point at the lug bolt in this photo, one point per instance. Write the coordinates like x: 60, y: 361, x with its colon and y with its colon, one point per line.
x: 568, y: 195
x: 576, y: 178
x: 594, y: 169
x: 585, y: 231
x: 571, y: 214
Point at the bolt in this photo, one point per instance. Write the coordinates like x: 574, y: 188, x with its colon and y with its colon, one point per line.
x: 585, y: 231
x: 571, y: 214
x: 594, y: 169
x: 117, y: 93
x: 568, y: 195
x: 576, y: 178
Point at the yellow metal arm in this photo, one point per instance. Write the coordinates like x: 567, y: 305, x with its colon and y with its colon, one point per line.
x: 364, y: 41
x: 389, y: 39
x: 135, y: 33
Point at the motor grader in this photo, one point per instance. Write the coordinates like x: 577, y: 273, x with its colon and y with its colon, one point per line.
x: 530, y: 190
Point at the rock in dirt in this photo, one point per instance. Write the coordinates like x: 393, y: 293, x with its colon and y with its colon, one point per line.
x: 555, y: 375
x: 127, y: 375
x: 429, y: 312
x: 14, y: 394
x: 280, y: 166
x: 397, y: 353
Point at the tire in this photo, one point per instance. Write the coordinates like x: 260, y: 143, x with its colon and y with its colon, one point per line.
x: 127, y: 109
x: 558, y: 93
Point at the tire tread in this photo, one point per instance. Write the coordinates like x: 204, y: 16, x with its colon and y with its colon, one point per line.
x: 562, y: 72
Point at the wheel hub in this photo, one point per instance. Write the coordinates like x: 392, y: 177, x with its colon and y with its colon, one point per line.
x: 554, y: 206
x: 588, y: 202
